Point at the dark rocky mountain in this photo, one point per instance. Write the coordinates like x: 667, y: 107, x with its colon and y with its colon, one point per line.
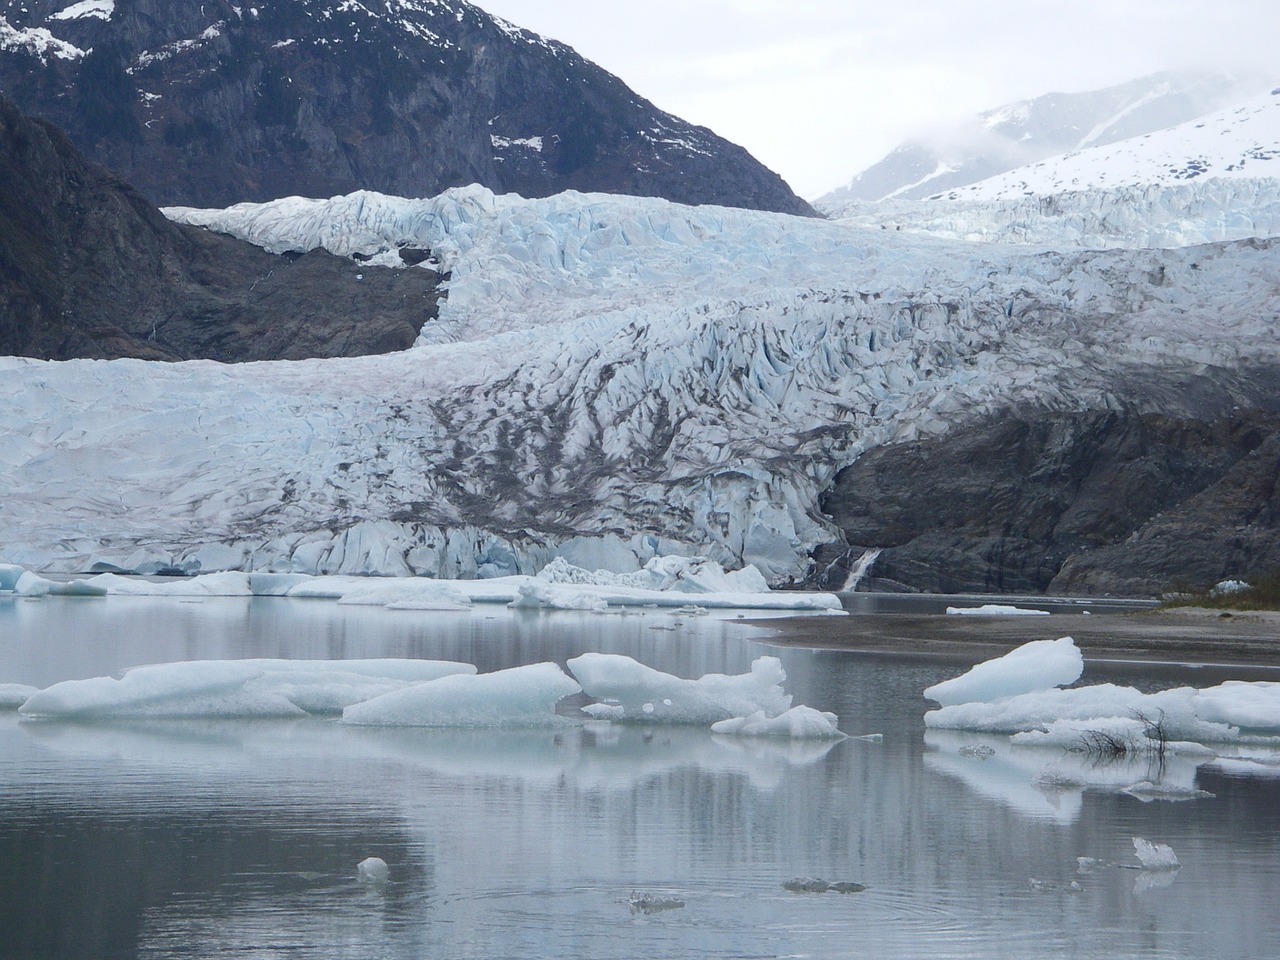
x: 89, y: 268
x: 207, y: 103
x: 1083, y: 503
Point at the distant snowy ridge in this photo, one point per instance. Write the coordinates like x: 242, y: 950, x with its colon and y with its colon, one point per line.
x: 1240, y: 143
x: 610, y: 379
x: 1028, y: 131
x: 1160, y: 215
x: 1209, y: 180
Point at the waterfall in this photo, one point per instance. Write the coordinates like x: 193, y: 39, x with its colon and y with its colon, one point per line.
x: 860, y: 570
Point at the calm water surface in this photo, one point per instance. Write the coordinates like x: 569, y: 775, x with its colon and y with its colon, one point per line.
x: 240, y: 839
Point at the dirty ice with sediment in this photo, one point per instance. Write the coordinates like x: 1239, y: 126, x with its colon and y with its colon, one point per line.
x: 611, y: 379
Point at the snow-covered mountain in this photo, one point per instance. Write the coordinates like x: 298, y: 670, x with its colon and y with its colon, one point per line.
x: 1027, y: 131
x: 213, y: 101
x: 609, y: 378
x: 1210, y: 179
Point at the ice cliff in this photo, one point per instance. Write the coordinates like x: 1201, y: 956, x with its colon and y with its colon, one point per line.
x: 611, y: 379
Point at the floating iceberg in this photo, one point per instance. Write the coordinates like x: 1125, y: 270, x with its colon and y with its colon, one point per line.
x: 519, y: 697
x: 664, y: 582
x: 1155, y: 856
x: 798, y: 723
x: 233, y: 688
x: 1016, y: 694
x: 1039, y: 665
x: 373, y: 870
x: 995, y: 610
x: 649, y: 695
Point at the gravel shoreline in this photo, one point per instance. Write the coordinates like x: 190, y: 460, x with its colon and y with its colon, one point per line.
x: 1177, y: 635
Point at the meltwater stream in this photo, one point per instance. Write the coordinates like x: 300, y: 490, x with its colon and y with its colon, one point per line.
x: 242, y: 839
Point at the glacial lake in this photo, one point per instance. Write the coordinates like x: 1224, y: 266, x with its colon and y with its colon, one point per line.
x: 241, y: 839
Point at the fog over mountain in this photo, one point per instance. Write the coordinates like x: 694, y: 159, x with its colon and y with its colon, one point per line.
x: 1021, y: 133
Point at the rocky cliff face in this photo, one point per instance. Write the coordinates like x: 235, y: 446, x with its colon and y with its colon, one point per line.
x: 88, y: 268
x: 1085, y: 503
x: 206, y: 102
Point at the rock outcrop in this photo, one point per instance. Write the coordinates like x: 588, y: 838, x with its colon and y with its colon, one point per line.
x: 1081, y: 503
x: 89, y: 268
x: 208, y: 103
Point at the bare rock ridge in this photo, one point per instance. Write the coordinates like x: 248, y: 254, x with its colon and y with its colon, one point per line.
x: 1081, y: 503
x: 89, y: 268
x: 208, y: 103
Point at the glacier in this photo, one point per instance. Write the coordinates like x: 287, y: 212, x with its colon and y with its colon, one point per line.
x: 611, y: 380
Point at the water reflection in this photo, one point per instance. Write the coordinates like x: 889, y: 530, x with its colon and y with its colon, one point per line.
x: 198, y: 838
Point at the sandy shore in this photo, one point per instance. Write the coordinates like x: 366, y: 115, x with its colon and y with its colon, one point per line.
x: 1179, y: 635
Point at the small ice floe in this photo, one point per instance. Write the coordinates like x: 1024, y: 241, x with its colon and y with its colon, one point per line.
x: 372, y: 870
x: 818, y: 885
x: 870, y: 738
x: 995, y: 610
x: 648, y: 903
x: 690, y: 610
x: 1146, y: 791
x: 1155, y: 856
x: 1088, y: 865
x: 798, y: 723
x: 979, y: 751
x: 1049, y: 886
x: 650, y: 696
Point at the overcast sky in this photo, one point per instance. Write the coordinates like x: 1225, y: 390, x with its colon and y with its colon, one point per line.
x: 820, y: 89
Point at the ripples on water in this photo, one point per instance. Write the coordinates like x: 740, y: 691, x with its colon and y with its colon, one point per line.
x: 241, y: 839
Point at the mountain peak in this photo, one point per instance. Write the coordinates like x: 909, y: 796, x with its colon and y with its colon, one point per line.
x: 210, y: 102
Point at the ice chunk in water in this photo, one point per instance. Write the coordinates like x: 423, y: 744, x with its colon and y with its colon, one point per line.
x: 1038, y: 665
x: 650, y: 695
x: 1155, y: 856
x: 235, y: 688
x: 9, y: 575
x: 519, y: 697
x: 798, y: 723
x: 192, y: 689
x: 373, y: 870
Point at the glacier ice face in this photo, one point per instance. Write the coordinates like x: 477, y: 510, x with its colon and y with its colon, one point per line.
x: 611, y: 379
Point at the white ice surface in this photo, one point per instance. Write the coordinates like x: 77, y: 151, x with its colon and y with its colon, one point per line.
x: 798, y: 723
x: 610, y: 379
x: 234, y: 688
x: 995, y: 610
x: 650, y: 696
x: 14, y: 695
x: 1012, y: 695
x: 665, y: 582
x: 1155, y: 856
x: 1038, y: 665
x: 519, y: 697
